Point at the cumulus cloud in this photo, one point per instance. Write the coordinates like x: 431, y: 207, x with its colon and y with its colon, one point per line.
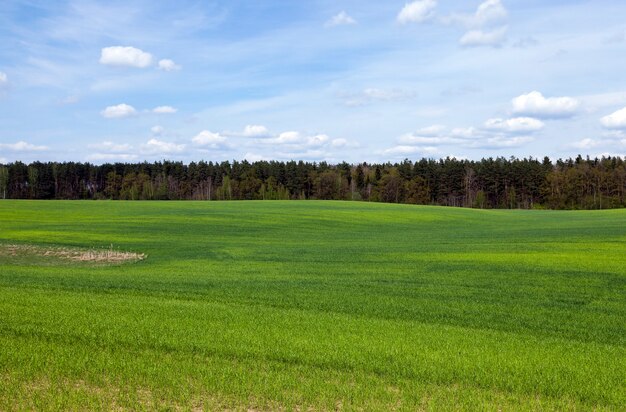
x: 417, y: 12
x: 251, y: 130
x: 338, y: 143
x: 125, y: 56
x: 119, y: 111
x: 168, y: 65
x: 515, y: 125
x: 341, y: 19
x: 297, y: 141
x: 109, y: 151
x: 586, y: 144
x: 416, y: 139
x: 536, y: 105
x: 306, y: 155
x: 293, y: 144
x: 209, y: 139
x: 317, y: 140
x: 157, y: 147
x: 4, y: 79
x: 371, y: 95
x: 434, y: 130
x: 405, y: 150
x: 112, y: 157
x: 495, y: 134
x: 614, y: 134
x: 164, y: 110
x: 502, y: 142
x: 477, y: 38
x: 616, y: 120
x: 438, y: 134
x: 285, y: 138
x: 255, y: 130
x: 488, y: 12
x: 485, y: 25
x: 23, y: 146
x: 465, y: 132
x: 431, y: 135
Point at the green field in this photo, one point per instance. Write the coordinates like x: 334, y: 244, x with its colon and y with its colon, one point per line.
x: 312, y: 305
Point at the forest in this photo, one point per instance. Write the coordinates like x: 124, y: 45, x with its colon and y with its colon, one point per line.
x: 580, y: 183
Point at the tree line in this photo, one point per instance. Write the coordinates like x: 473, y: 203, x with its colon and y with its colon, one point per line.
x: 580, y: 183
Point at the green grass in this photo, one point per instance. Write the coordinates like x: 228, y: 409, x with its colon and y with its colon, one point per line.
x: 313, y: 305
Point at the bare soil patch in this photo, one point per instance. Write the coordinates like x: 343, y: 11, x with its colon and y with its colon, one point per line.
x: 98, y: 256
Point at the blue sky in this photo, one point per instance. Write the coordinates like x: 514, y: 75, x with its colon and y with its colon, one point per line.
x: 311, y: 80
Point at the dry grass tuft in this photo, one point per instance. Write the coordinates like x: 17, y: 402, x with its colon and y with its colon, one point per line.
x: 103, y: 256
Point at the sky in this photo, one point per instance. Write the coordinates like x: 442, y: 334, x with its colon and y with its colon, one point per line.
x: 315, y: 80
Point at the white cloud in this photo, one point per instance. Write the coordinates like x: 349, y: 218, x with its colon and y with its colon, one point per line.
x: 164, y: 110
x: 371, y: 95
x: 295, y: 140
x: 405, y: 150
x: 341, y: 19
x: 417, y: 12
x: 154, y: 146
x: 305, y: 155
x: 23, y: 146
x: 534, y: 104
x: 480, y: 23
x: 125, y: 56
x: 586, y: 144
x: 119, y: 111
x: 317, y: 140
x: 614, y: 134
x: 255, y: 131
x: 415, y: 139
x: 515, y: 125
x: 109, y: 151
x: 4, y: 161
x: 4, y: 79
x: 112, y: 157
x: 110, y: 147
x: 616, y: 120
x: 337, y: 143
x: 477, y: 38
x: 168, y: 65
x: 306, y: 146
x: 251, y: 130
x: 285, y: 138
x: 157, y: 130
x: 434, y: 130
x: 209, y: 139
x: 488, y: 12
x: 464, y: 132
x: 437, y: 135
x: 597, y: 102
x: 502, y: 142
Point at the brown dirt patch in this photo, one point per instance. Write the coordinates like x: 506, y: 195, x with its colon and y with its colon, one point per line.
x: 100, y: 256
